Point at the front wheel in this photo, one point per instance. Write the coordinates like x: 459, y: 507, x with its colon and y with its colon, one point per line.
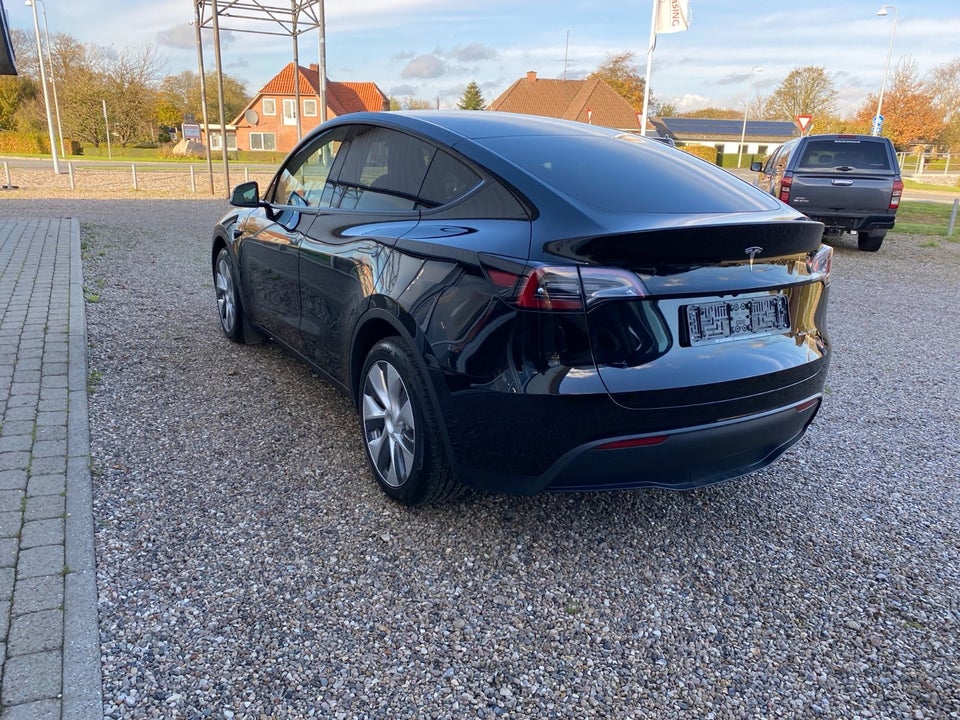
x: 870, y: 241
x: 399, y: 427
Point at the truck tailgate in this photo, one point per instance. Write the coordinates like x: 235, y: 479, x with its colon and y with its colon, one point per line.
x: 812, y: 193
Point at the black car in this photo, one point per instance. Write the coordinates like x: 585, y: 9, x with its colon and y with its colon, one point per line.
x: 523, y: 304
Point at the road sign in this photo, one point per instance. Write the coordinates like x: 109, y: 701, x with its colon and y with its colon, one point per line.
x: 804, y: 122
x: 190, y: 131
x: 877, y: 124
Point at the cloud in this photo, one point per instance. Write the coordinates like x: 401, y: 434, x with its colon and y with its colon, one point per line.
x: 403, y: 55
x: 403, y: 91
x: 472, y: 53
x: 424, y: 67
x: 184, y: 37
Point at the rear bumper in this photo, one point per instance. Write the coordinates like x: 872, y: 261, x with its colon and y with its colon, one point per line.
x: 854, y: 224
x: 687, y: 458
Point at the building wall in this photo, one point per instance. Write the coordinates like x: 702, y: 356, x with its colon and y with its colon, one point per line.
x: 256, y: 137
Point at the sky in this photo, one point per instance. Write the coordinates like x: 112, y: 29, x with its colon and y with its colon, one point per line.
x: 431, y: 49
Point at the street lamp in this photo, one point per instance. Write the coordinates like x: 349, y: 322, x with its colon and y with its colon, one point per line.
x: 43, y: 82
x: 53, y: 77
x: 746, y: 108
x: 882, y: 12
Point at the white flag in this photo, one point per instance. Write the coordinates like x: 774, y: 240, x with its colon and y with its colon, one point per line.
x: 672, y: 16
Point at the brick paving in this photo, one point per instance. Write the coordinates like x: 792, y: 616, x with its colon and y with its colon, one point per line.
x: 49, y: 638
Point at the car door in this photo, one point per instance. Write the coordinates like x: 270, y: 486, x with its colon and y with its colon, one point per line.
x: 270, y: 247
x: 373, y: 204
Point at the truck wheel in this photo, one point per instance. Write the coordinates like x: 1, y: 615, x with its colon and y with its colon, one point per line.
x: 870, y: 241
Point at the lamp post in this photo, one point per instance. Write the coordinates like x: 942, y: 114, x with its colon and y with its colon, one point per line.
x: 882, y: 12
x: 53, y: 77
x: 746, y: 108
x: 43, y: 82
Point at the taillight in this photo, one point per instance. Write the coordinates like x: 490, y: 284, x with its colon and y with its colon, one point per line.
x: 563, y: 287
x: 785, y: 184
x: 551, y: 288
x: 821, y: 263
x: 895, y: 195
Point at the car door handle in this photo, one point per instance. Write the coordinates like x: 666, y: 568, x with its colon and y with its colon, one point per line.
x: 841, y: 182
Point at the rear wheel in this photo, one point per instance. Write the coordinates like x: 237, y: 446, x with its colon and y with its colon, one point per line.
x: 870, y: 241
x: 401, y: 434
x: 229, y: 307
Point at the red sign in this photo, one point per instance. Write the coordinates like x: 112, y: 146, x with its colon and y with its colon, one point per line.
x: 804, y: 122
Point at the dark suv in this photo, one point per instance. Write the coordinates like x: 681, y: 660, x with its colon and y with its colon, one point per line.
x: 850, y: 183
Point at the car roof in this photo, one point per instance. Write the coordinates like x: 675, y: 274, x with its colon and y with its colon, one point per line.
x: 475, y: 125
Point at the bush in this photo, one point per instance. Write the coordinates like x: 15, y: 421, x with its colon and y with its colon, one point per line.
x: 704, y: 152
x: 18, y: 143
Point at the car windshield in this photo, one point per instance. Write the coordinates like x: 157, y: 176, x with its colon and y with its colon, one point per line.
x: 628, y: 174
x: 845, y: 152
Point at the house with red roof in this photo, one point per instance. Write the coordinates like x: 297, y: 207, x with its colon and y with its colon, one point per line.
x: 269, y: 122
x: 587, y: 101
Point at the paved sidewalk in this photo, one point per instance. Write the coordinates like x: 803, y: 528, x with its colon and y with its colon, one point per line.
x: 49, y: 637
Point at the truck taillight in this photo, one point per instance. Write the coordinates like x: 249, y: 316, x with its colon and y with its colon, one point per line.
x: 895, y: 195
x: 785, y: 184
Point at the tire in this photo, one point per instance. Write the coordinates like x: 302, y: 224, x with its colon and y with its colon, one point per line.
x: 399, y: 428
x: 229, y: 307
x: 870, y: 241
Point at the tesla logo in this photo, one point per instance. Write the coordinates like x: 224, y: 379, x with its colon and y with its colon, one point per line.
x: 753, y: 251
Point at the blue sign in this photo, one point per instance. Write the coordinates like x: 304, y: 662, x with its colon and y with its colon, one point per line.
x: 877, y: 124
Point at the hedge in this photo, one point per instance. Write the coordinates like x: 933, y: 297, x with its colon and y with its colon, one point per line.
x: 17, y: 143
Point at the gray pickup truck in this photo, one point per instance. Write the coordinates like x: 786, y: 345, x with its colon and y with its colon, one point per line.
x: 850, y: 183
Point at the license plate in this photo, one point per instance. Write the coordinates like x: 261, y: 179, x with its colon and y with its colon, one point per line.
x: 751, y: 317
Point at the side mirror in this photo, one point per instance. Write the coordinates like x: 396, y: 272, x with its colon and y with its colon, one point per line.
x: 756, y: 166
x: 246, y: 195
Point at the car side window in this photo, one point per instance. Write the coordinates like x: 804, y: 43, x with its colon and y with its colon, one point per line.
x: 383, y: 170
x: 306, y: 180
x: 447, y: 180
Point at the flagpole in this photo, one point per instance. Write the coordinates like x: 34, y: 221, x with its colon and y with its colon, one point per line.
x: 646, y: 82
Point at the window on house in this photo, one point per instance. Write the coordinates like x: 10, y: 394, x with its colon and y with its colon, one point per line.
x: 263, y: 141
x: 289, y: 111
x: 269, y: 106
x: 309, y: 108
x: 216, y: 141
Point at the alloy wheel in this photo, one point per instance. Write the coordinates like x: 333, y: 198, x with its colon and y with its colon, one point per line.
x: 226, y: 295
x: 389, y: 428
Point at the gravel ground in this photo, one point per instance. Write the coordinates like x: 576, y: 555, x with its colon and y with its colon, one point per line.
x: 248, y: 567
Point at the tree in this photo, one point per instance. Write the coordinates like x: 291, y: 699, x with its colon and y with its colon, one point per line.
x: 472, y: 98
x: 713, y: 114
x: 805, y: 91
x: 179, y: 97
x: 944, y: 83
x: 910, y: 115
x: 620, y: 74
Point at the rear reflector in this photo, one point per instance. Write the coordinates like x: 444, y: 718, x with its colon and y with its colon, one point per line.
x: 632, y: 443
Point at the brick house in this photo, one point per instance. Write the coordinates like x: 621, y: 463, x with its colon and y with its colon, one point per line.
x: 269, y: 121
x: 587, y: 101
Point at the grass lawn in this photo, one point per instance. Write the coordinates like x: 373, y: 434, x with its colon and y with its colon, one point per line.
x: 914, y: 185
x: 926, y: 218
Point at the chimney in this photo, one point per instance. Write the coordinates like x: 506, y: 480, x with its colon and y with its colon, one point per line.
x: 532, y: 75
x: 314, y: 67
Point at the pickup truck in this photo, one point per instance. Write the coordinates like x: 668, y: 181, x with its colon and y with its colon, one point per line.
x: 850, y: 183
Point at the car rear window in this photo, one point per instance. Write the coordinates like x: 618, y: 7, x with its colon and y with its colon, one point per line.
x: 856, y: 153
x: 629, y: 174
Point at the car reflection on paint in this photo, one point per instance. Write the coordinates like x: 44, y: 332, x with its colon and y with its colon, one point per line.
x: 523, y: 304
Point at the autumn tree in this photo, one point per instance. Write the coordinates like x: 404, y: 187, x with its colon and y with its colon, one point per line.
x: 805, y: 91
x: 621, y: 74
x: 472, y: 98
x: 910, y: 114
x: 944, y: 83
x: 179, y: 98
x: 712, y: 113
